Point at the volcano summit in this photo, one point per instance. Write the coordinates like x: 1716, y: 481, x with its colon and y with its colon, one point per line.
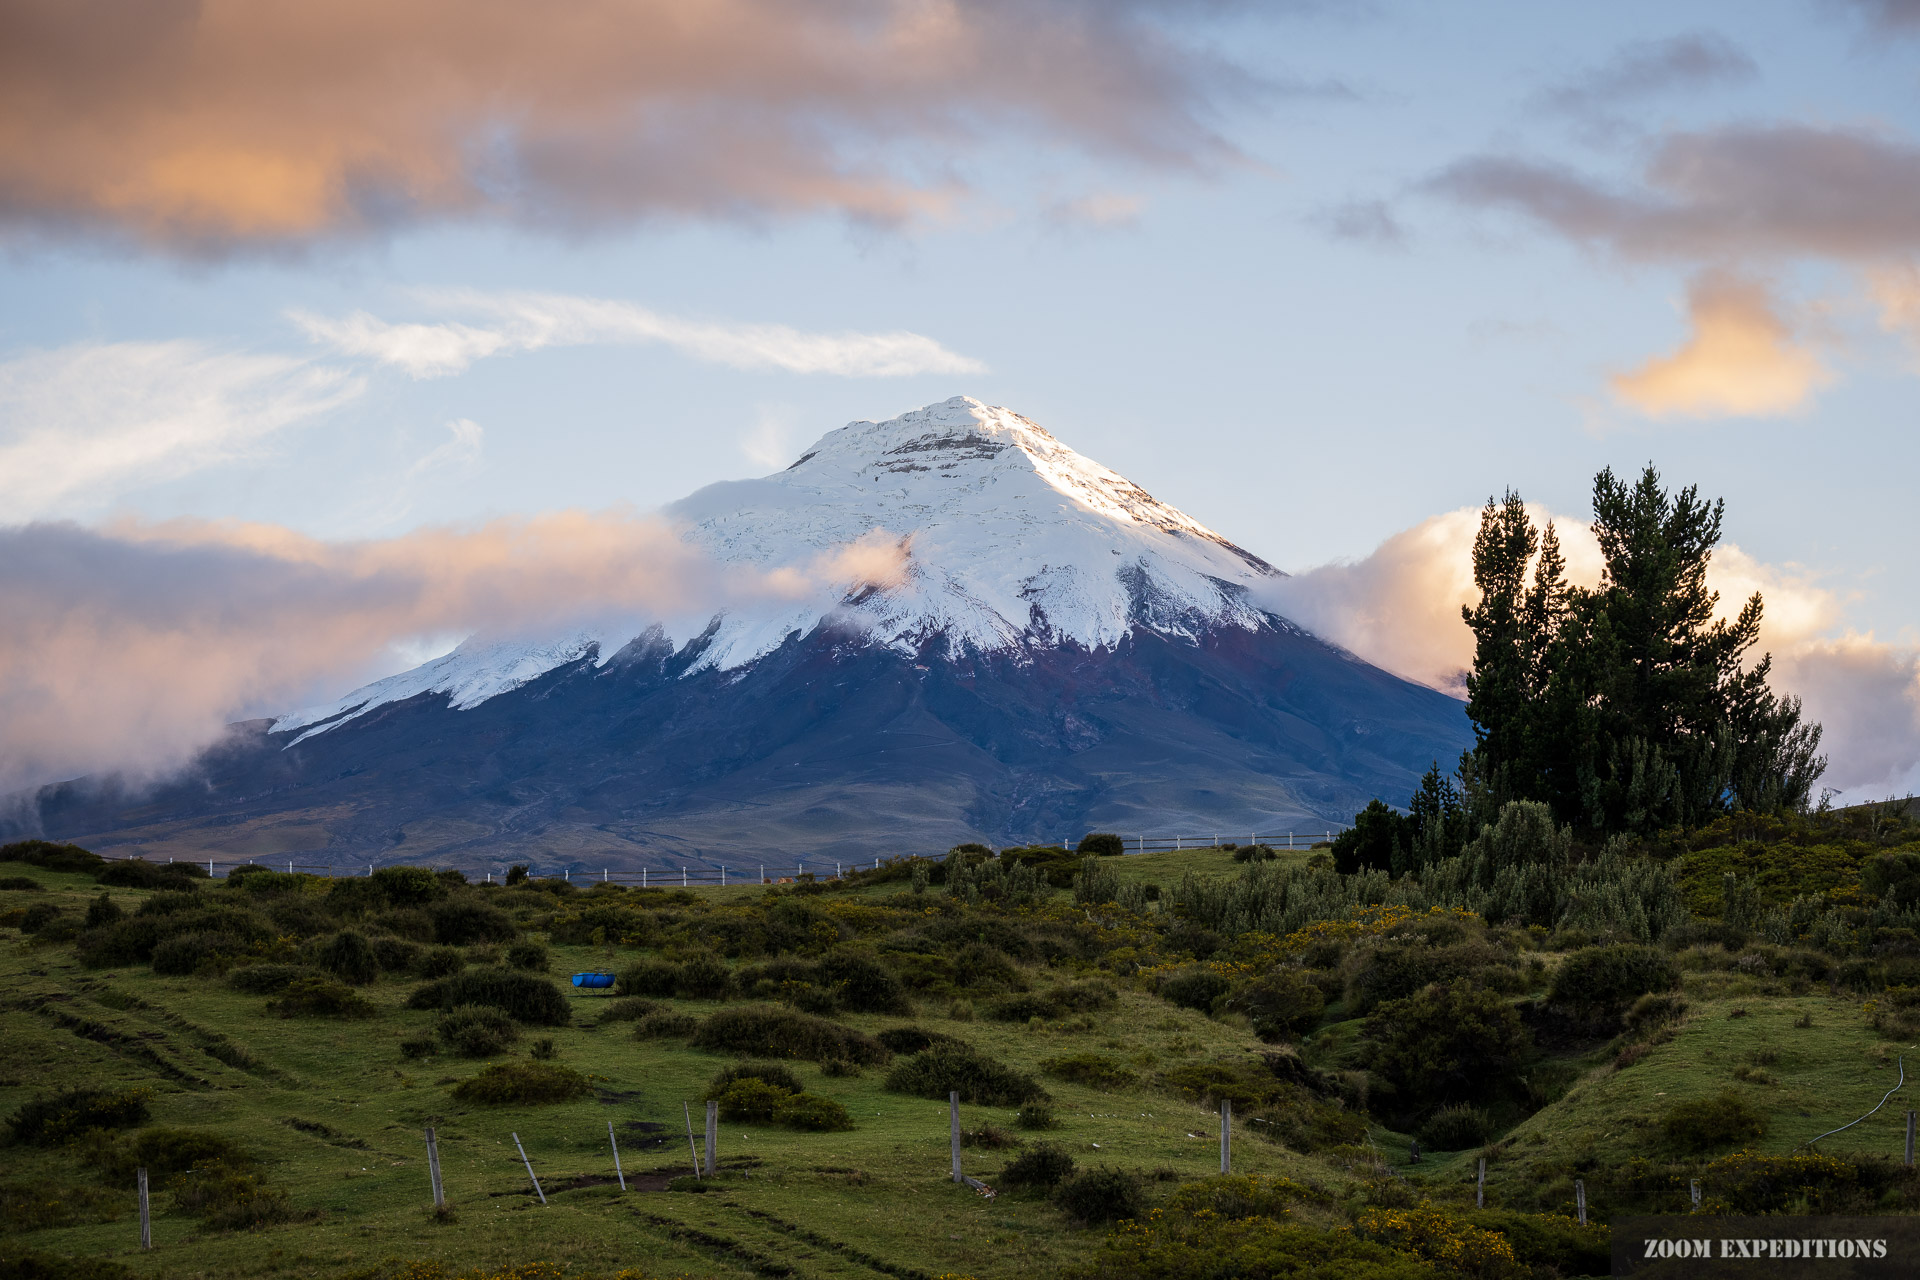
x: 1018, y: 644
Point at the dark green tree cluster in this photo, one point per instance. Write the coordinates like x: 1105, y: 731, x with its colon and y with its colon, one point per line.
x: 1626, y: 707
x: 1436, y: 825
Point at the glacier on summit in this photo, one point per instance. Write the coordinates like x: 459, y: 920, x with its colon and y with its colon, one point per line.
x: 1004, y: 540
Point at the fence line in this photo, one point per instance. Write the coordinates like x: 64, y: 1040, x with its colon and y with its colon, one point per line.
x: 688, y: 877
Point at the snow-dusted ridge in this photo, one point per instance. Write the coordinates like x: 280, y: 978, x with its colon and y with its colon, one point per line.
x: 1011, y: 540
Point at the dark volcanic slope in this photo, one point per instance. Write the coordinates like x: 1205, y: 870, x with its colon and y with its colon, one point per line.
x: 822, y: 748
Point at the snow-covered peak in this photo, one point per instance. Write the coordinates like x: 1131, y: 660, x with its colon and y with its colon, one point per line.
x: 1010, y: 540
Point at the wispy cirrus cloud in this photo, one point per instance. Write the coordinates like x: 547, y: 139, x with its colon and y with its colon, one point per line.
x: 206, y: 128
x: 81, y: 424
x: 1644, y: 68
x: 508, y: 323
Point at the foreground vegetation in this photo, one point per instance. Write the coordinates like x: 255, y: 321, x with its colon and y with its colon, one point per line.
x: 1637, y: 1017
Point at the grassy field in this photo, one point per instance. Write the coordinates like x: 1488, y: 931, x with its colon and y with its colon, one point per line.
x: 335, y: 1115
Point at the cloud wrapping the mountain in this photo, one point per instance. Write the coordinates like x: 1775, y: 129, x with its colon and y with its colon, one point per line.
x: 131, y: 648
x: 516, y: 322
x: 205, y: 125
x: 1399, y: 608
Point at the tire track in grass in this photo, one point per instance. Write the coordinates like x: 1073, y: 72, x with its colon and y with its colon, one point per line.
x: 852, y: 1252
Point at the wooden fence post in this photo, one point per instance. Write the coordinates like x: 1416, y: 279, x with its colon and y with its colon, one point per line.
x: 523, y: 1160
x: 433, y: 1169
x: 146, y: 1218
x: 688, y: 1112
x: 1580, y: 1200
x: 953, y: 1119
x: 1909, y: 1137
x: 615, y: 1144
x: 1226, y: 1135
x: 1695, y: 1187
x: 1480, y: 1187
x: 713, y: 1138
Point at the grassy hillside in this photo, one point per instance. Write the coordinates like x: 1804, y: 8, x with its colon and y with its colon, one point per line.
x: 321, y: 1108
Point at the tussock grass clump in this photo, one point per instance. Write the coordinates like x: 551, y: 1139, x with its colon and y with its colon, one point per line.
x: 476, y: 1031
x: 522, y: 1084
x: 230, y: 1199
x: 1042, y: 1166
x: 975, y: 1077
x: 1456, y: 1128
x: 320, y: 998
x: 766, y: 1032
x: 348, y: 955
x: 525, y: 997
x: 161, y: 1150
x: 50, y: 1121
x: 1098, y: 1196
x: 627, y: 1009
x: 1090, y: 1068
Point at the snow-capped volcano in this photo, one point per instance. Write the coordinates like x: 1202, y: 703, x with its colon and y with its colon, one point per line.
x: 1001, y: 538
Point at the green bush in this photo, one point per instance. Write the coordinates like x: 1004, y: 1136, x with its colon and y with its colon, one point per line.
x: 1706, y: 1124
x: 476, y: 1030
x: 320, y: 998
x: 415, y: 1047
x: 525, y: 997
x: 771, y: 1073
x: 1099, y: 1196
x: 1195, y: 988
x: 667, y: 1024
x: 62, y: 1117
x: 1235, y: 1196
x: 1395, y: 970
x: 439, y: 962
x: 988, y: 1136
x: 136, y: 873
x: 1604, y: 981
x: 705, y: 977
x: 1280, y: 1003
x: 395, y: 955
x: 162, y: 1150
x: 407, y: 886
x: 1090, y: 1068
x: 522, y: 1084
x: 1453, y: 1043
x: 229, y: 1199
x: 658, y: 978
x: 751, y: 1100
x: 1898, y: 873
x: 189, y: 953
x: 103, y: 910
x: 1035, y: 1115
x: 349, y: 956
x: 267, y: 979
x: 21, y: 884
x: 53, y: 857
x: 1041, y: 1166
x: 767, y: 1032
x: 1456, y: 1128
x: 627, y: 1009
x: 861, y: 985
x: 905, y: 1040
x: 465, y: 920
x: 1101, y: 844
x: 1254, y: 853
x: 28, y: 1264
x: 978, y: 1079
x: 528, y: 954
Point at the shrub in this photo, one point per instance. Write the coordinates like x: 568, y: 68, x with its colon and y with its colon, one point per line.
x: 53, y: 857
x: 862, y: 985
x: 977, y: 1078
x: 407, y: 886
x: 1035, y: 1115
x: 28, y: 1264
x: 267, y: 979
x: 812, y: 1113
x: 1195, y: 988
x: 397, y: 955
x: 21, y: 884
x: 1096, y: 884
x: 524, y: 997
x: 989, y: 1136
x: 465, y: 920
x: 706, y: 977
x: 839, y: 1068
x: 1721, y: 1120
x: 229, y: 1199
x: 522, y: 1084
x: 667, y: 1024
x: 439, y: 962
x: 763, y: 1031
x: 529, y: 955
x: 1101, y: 844
x: 627, y: 1009
x: 414, y: 1047
x: 47, y: 1122
x: 1441, y: 1240
x: 1254, y: 853
x: 1042, y: 1166
x: 320, y: 998
x: 1282, y: 1002
x: 1233, y: 1196
x: 162, y: 1150
x: 771, y: 1073
x: 1090, y: 1068
x: 192, y: 952
x: 1456, y: 1128
x: 349, y: 956
x: 1654, y: 1009
x: 914, y: 1039
x: 103, y: 910
x: 136, y: 873
x: 476, y: 1030
x: 1604, y: 981
x: 1096, y: 1196
x: 1451, y: 1043
x: 659, y: 978
x: 750, y: 1100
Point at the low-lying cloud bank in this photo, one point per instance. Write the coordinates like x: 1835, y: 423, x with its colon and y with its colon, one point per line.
x: 1399, y: 608
x: 130, y: 649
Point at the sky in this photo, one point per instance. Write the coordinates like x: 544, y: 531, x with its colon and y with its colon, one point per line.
x: 334, y: 285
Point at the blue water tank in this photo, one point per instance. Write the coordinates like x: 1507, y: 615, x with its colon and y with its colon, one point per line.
x: 594, y: 980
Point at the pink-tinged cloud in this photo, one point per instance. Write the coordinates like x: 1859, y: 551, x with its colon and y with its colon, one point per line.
x: 1742, y: 358
x: 130, y: 649
x: 202, y: 125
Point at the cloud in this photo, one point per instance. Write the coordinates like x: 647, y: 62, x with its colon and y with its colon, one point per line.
x: 517, y: 322
x: 1104, y: 210
x: 1739, y: 192
x: 460, y: 453
x: 1896, y: 291
x: 131, y: 648
x: 1697, y: 60
x: 1399, y: 608
x: 1894, y: 17
x: 1741, y: 359
x: 1364, y: 221
x: 205, y: 127
x: 81, y: 424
